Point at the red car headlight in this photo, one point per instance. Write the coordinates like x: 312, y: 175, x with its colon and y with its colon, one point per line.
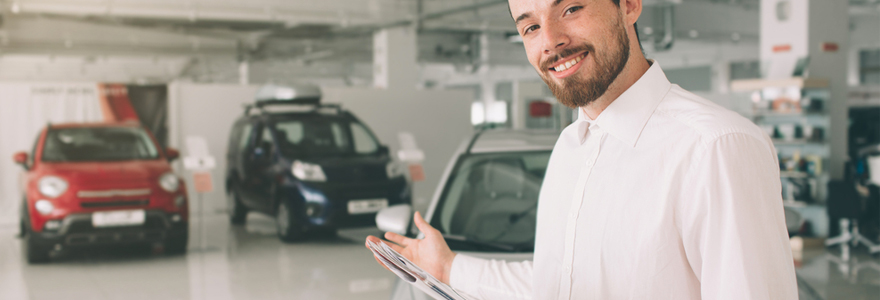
x: 52, y: 186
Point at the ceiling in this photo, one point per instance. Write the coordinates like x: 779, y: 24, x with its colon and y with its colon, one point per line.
x: 203, y: 40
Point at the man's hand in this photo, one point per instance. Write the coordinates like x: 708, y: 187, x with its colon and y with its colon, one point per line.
x: 431, y: 253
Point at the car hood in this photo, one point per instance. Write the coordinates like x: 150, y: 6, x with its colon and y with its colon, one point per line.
x: 123, y: 171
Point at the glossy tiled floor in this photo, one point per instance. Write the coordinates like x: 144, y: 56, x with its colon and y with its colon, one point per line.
x: 250, y: 263
x: 235, y: 263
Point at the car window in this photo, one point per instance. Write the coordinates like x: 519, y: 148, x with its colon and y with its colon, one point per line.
x: 246, y: 132
x: 493, y: 198
x: 266, y: 142
x: 364, y: 142
x: 98, y: 144
x: 321, y: 136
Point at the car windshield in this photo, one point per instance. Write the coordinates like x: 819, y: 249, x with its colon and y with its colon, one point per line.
x: 324, y: 136
x: 98, y: 144
x: 489, y: 202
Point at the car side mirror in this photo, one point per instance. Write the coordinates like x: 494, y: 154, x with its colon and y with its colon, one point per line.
x: 384, y: 150
x: 172, y: 153
x: 396, y: 218
x: 21, y: 158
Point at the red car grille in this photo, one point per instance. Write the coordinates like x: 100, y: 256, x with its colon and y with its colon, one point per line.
x: 113, y: 193
x: 119, y: 203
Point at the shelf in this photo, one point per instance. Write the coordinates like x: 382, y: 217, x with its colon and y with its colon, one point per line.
x: 749, y: 85
x: 798, y: 142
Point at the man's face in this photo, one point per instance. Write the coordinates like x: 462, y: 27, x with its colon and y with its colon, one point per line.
x: 577, y: 46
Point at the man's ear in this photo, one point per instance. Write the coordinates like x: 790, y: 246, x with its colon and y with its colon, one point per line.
x: 632, y: 9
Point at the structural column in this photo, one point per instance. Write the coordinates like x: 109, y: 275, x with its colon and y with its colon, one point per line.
x: 394, y: 58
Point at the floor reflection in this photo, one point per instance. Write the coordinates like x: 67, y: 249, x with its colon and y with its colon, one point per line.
x: 223, y: 263
x: 249, y: 262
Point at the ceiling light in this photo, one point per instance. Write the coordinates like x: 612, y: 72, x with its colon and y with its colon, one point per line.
x: 15, y: 8
x: 693, y: 34
x: 648, y: 30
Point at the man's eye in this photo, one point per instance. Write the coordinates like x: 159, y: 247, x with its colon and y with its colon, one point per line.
x: 573, y: 9
x: 530, y: 29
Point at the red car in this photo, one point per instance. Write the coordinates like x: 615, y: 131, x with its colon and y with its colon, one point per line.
x: 92, y: 184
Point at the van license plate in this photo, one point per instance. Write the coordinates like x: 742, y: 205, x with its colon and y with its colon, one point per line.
x: 366, y: 206
x: 118, y: 218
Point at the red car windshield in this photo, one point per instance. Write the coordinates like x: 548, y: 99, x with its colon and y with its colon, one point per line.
x: 98, y: 144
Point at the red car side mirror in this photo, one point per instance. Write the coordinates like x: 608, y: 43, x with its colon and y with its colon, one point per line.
x: 20, y: 157
x: 172, y: 153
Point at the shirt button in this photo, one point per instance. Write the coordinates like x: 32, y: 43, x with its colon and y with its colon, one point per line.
x: 571, y: 215
x: 567, y: 269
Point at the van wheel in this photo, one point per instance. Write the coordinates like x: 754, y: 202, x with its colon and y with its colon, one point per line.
x: 288, y: 226
x: 237, y: 211
x: 35, y: 253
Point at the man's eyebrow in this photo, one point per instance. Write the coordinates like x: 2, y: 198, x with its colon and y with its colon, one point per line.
x: 521, y: 17
x: 527, y: 15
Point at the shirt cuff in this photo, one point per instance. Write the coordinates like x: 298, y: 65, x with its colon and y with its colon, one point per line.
x: 466, y: 273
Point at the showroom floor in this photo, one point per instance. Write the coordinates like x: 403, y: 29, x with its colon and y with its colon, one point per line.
x: 250, y: 263
x: 236, y: 263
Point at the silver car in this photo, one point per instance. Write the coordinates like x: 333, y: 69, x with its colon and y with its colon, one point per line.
x: 486, y: 203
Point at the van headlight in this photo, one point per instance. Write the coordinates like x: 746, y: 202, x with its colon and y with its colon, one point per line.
x: 169, y: 182
x: 52, y: 186
x: 394, y: 170
x: 308, y: 172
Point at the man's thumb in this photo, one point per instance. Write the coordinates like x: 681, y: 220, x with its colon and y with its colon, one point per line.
x: 423, y: 226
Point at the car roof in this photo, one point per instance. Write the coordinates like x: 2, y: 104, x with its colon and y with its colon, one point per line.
x: 129, y: 124
x: 510, y: 140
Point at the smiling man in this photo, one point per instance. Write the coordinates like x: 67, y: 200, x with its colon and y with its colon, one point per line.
x: 653, y: 193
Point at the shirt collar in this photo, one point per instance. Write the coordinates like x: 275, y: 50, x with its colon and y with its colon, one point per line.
x: 627, y: 115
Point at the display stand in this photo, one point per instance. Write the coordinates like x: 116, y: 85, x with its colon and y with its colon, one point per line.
x: 794, y: 112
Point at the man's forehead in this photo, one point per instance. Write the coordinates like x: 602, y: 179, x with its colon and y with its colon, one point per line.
x: 519, y: 7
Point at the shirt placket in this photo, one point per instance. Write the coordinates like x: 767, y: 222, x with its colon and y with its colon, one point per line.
x: 591, y: 153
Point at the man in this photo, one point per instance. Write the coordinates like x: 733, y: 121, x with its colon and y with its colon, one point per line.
x: 653, y: 193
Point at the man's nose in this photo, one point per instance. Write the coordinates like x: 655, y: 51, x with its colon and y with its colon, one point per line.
x: 555, y: 38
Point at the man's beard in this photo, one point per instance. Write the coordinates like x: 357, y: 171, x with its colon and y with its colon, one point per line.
x: 575, y: 91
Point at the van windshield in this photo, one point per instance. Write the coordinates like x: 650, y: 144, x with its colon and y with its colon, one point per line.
x: 322, y: 136
x: 490, y: 201
x: 98, y: 144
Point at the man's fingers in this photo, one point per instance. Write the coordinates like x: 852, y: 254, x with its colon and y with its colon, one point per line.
x: 423, y: 226
x: 399, y: 239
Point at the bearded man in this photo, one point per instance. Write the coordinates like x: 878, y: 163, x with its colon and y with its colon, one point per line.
x: 653, y: 193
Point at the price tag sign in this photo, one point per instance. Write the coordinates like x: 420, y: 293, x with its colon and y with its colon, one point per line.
x: 202, y: 182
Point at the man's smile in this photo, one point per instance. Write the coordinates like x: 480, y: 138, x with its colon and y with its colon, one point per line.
x: 566, y: 67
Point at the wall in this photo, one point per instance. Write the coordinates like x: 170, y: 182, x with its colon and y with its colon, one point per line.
x: 206, y: 110
x: 25, y: 109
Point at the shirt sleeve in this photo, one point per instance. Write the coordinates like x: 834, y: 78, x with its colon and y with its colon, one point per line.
x: 491, y: 279
x: 732, y: 221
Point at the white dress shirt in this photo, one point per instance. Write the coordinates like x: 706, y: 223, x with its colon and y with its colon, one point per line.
x: 664, y: 196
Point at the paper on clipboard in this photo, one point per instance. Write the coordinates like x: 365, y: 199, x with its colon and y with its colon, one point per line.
x: 412, y: 273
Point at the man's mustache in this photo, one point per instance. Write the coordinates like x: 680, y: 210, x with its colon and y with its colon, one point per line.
x: 550, y: 61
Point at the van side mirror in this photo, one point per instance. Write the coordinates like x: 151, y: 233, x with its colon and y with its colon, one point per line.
x: 172, y: 154
x: 384, y: 150
x: 21, y: 158
x: 396, y: 218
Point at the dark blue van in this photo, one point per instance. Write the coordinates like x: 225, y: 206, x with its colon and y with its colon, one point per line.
x: 312, y: 166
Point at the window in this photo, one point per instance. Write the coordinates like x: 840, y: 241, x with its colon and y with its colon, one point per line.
x: 364, y: 142
x: 869, y: 66
x: 245, y: 135
x: 99, y: 144
x: 321, y: 136
x: 492, y: 198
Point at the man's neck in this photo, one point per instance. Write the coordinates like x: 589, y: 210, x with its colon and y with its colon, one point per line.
x: 634, y: 69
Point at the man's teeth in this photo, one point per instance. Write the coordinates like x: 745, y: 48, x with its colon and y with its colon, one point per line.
x: 568, y: 64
